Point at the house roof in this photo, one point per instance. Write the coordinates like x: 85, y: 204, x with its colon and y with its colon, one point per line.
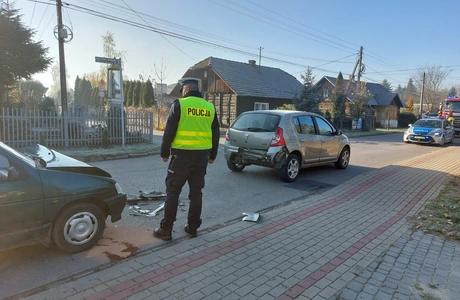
x: 381, y: 95
x: 246, y: 80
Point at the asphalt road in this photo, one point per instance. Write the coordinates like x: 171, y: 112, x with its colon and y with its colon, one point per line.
x: 226, y: 196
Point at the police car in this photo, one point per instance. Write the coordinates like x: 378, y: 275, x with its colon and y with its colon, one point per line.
x: 430, y: 131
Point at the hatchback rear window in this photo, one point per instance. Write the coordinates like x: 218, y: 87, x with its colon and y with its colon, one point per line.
x: 257, y: 122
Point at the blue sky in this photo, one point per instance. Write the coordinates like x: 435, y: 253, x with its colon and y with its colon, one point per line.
x: 397, y: 36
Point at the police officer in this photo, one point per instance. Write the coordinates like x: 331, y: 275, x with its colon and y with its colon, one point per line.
x: 191, y: 138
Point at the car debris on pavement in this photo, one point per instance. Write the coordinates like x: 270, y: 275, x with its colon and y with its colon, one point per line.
x: 136, y: 210
x: 252, y: 217
x: 146, y: 196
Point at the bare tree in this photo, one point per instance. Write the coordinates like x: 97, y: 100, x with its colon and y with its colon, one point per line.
x: 109, y: 48
x: 55, y: 88
x: 434, y: 77
x: 161, y: 75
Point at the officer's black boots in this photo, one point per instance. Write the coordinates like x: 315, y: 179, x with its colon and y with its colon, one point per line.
x: 191, y: 233
x: 163, y: 234
x: 166, y: 235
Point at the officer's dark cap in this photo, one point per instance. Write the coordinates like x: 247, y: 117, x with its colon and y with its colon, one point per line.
x: 188, y: 80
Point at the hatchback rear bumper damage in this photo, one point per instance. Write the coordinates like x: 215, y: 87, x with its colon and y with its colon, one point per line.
x: 274, y: 158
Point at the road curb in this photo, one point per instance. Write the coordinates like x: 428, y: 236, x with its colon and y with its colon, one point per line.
x: 95, y: 158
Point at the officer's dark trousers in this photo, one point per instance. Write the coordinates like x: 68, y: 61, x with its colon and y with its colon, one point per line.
x: 191, y: 168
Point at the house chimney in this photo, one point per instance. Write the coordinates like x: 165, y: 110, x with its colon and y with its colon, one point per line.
x: 252, y: 62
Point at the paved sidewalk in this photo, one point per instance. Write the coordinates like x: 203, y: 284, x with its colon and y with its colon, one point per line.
x: 350, y: 242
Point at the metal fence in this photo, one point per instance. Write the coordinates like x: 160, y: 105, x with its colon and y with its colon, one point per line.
x: 22, y: 128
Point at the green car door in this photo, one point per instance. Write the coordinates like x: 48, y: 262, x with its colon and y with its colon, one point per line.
x: 21, y: 199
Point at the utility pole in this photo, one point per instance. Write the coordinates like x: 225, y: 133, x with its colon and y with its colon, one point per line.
x: 260, y: 56
x: 61, y: 35
x: 357, y: 64
x: 360, y: 63
x: 421, y: 96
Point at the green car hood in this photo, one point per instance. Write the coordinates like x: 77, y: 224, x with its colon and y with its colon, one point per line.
x: 58, y: 161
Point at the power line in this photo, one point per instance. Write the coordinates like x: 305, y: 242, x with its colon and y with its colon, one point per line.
x: 264, y: 21
x: 294, y: 21
x: 33, y: 12
x: 335, y: 60
x: 278, y: 14
x: 405, y: 70
x: 46, y: 27
x: 172, y: 34
x: 187, y: 38
x: 68, y: 19
x: 174, y: 25
x: 199, y: 41
x: 258, y: 13
x: 159, y: 33
x: 44, y: 13
x: 382, y: 74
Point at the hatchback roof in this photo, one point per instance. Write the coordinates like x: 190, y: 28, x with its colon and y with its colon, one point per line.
x: 281, y: 112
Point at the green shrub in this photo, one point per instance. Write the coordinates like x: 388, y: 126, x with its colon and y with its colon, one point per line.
x: 406, y: 118
x: 286, y: 107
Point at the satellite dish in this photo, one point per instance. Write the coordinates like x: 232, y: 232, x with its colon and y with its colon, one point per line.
x: 64, y: 32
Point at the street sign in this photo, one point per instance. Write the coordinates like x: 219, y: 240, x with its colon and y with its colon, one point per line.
x: 101, y: 94
x: 101, y: 88
x: 106, y: 60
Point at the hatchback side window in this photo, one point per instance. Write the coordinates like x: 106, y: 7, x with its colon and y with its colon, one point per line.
x: 306, y: 125
x: 324, y: 127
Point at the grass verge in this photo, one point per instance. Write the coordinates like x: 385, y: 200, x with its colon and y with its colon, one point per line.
x: 114, y: 150
x: 377, y: 131
x: 441, y: 216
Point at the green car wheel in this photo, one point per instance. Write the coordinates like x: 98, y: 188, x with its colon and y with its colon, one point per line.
x: 78, y: 227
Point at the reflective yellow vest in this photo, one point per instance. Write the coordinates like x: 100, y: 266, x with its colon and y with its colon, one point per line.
x: 194, y: 129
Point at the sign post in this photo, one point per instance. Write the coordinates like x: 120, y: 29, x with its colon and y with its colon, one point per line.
x: 116, y: 62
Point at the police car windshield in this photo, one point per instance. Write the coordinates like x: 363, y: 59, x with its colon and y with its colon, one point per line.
x: 429, y: 123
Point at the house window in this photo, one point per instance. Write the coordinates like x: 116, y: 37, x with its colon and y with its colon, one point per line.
x: 261, y: 105
x: 325, y: 93
x: 205, y: 74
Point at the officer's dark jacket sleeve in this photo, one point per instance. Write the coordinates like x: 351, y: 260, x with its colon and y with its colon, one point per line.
x: 215, y: 137
x: 170, y: 129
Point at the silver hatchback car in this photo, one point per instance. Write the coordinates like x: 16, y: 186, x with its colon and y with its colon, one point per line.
x: 284, y: 140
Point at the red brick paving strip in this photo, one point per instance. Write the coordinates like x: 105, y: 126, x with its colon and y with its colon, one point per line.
x: 169, y: 271
x: 310, y: 280
x: 161, y: 275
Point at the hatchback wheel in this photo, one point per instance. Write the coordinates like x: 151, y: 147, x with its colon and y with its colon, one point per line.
x: 344, y: 159
x: 78, y: 227
x: 290, y: 170
x: 235, y: 164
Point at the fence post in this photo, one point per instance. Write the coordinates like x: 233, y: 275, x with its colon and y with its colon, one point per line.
x: 151, y: 128
x: 66, y: 129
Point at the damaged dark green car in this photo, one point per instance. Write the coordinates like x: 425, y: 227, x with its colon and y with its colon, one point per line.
x: 47, y: 197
